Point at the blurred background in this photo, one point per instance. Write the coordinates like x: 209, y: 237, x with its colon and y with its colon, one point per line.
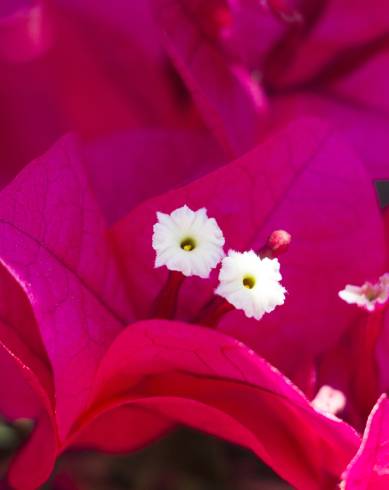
x: 183, y: 460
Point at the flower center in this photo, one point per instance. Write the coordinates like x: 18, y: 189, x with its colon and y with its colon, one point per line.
x: 372, y: 292
x: 188, y: 244
x: 248, y: 282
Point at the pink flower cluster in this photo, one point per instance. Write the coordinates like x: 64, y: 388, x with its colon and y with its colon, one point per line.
x: 272, y: 115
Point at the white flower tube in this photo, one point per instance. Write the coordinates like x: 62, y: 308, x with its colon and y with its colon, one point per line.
x: 368, y: 296
x: 188, y: 241
x: 250, y: 283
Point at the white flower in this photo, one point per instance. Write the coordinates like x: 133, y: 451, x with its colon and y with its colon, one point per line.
x: 250, y: 283
x: 369, y: 295
x: 188, y: 241
x: 329, y: 400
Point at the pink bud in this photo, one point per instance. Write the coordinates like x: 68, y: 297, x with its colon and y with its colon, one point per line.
x: 277, y: 244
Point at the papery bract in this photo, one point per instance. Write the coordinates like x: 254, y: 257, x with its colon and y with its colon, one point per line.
x: 93, y: 70
x: 369, y: 470
x: 67, y: 293
x: 326, y: 58
x: 53, y: 243
x: 358, y: 363
x: 131, y: 166
x: 229, y: 100
x: 337, y: 68
x: 303, y: 180
x: 207, y: 380
x: 60, y: 263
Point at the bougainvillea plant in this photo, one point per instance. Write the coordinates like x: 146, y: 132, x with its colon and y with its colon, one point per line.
x: 205, y: 248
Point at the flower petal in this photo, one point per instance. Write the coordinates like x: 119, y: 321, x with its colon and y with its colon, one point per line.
x: 364, y: 127
x: 229, y: 100
x: 129, y: 167
x: 204, y: 379
x: 53, y: 244
x: 369, y: 470
x: 303, y: 180
x: 22, y: 395
x: 121, y: 429
x: 342, y: 33
x: 33, y: 464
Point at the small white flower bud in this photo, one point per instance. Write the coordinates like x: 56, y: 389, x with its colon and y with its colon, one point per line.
x: 329, y: 400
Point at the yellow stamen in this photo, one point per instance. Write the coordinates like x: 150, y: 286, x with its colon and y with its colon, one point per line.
x: 249, y: 282
x: 188, y: 244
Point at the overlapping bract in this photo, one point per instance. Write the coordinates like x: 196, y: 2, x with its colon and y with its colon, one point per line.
x: 63, y: 266
x: 161, y: 94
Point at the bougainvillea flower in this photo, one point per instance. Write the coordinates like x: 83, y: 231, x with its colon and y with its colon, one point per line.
x: 95, y: 374
x: 358, y: 363
x: 247, y: 221
x: 369, y: 469
x: 288, y: 354
x: 369, y: 296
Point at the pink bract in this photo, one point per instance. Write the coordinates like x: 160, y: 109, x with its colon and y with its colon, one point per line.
x: 161, y: 95
x: 304, y: 180
x: 96, y: 70
x: 86, y: 373
x: 325, y: 58
x: 369, y: 469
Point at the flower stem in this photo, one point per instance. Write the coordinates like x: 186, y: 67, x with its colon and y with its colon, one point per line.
x: 212, y: 313
x: 165, y: 304
x: 366, y: 376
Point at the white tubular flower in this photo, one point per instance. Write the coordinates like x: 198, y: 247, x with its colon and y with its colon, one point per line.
x: 368, y: 296
x: 250, y: 283
x: 188, y: 241
x: 329, y: 400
